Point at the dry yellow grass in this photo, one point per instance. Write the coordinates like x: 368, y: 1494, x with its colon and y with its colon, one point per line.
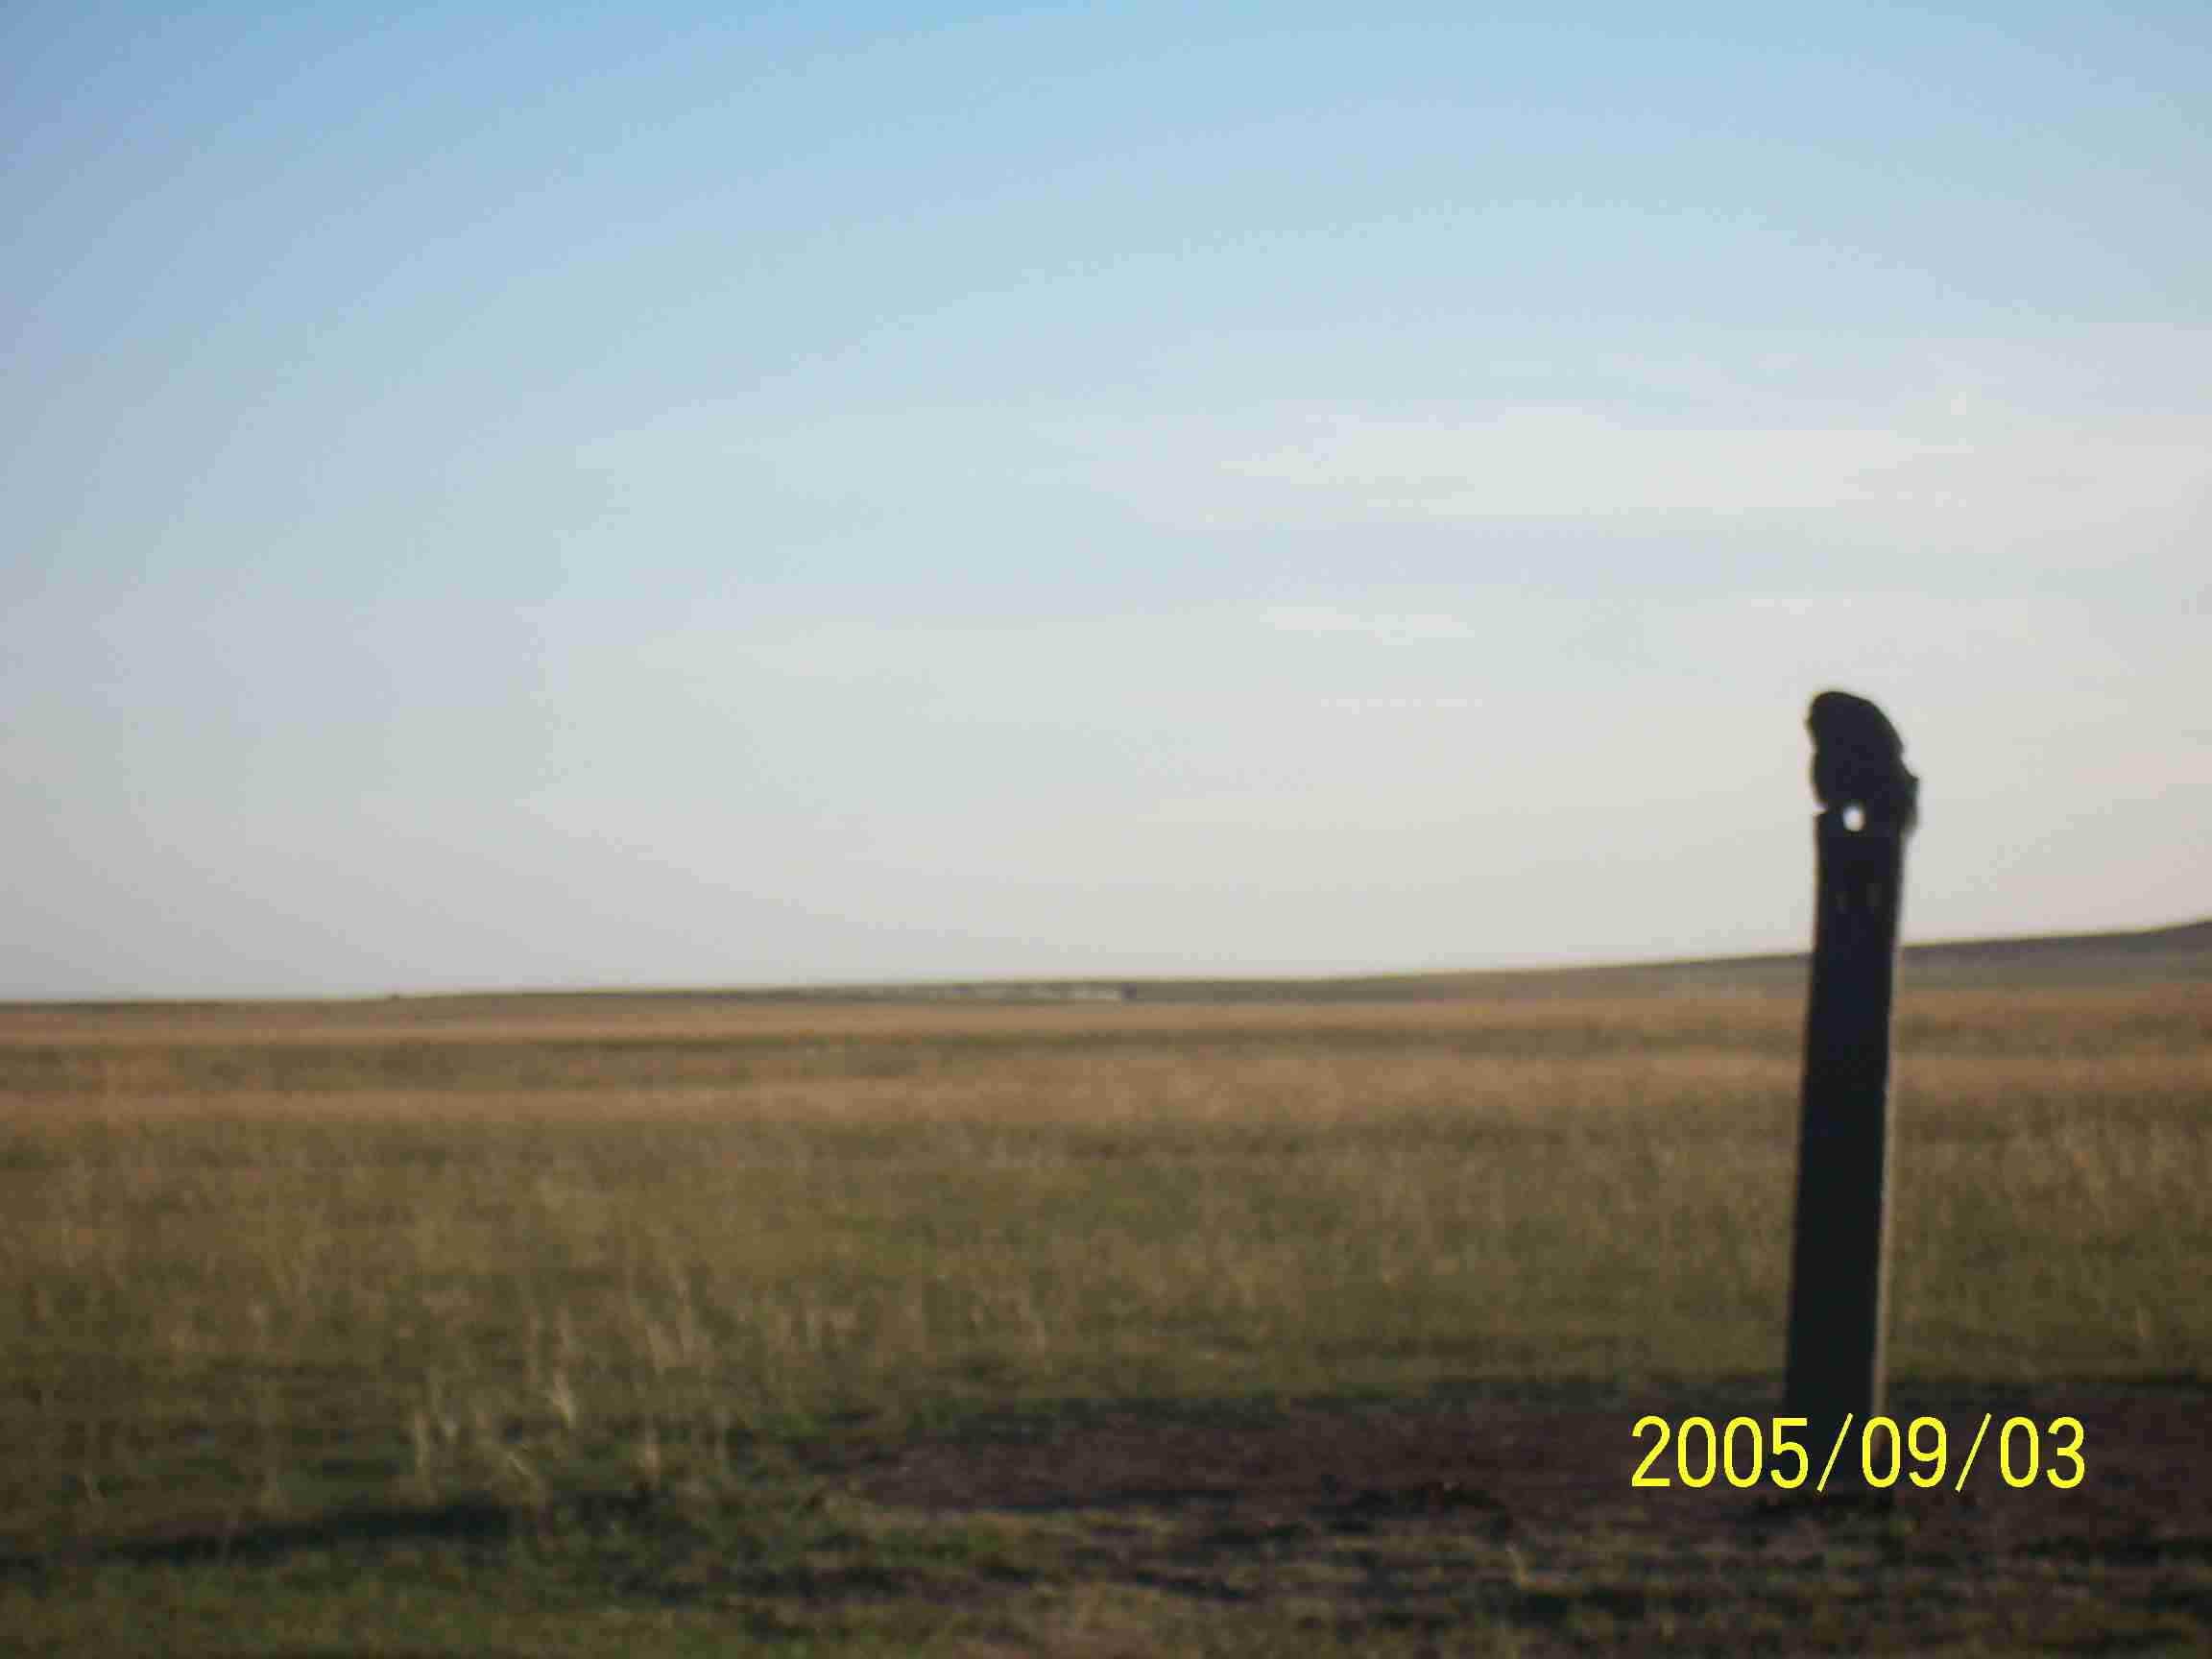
x: 266, y: 1263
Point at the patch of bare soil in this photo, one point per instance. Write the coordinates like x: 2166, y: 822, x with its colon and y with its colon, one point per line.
x: 1402, y: 1525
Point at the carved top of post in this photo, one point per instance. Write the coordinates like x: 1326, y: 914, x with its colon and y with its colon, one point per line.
x: 1859, y: 762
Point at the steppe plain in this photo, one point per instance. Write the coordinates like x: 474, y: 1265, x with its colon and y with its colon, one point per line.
x: 1088, y: 1321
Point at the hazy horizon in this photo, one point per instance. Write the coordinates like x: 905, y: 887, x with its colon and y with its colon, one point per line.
x: 710, y: 496
x: 922, y: 982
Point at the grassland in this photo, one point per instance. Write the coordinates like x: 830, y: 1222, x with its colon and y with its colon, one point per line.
x: 671, y: 1325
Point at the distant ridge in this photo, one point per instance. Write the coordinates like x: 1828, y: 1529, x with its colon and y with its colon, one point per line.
x: 2174, y: 956
x: 2159, y: 955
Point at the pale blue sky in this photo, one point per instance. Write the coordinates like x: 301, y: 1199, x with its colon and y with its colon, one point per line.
x: 518, y: 497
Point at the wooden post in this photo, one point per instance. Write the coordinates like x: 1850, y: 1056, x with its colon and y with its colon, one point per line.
x: 1838, y: 1296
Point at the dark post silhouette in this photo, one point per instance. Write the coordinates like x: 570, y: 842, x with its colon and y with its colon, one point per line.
x: 1838, y: 1302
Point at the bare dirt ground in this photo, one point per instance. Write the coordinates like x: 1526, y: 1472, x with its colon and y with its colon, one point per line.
x: 1504, y: 1522
x: 1423, y: 1522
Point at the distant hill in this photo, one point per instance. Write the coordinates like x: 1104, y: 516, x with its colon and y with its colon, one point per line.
x: 2159, y: 955
x: 2156, y: 956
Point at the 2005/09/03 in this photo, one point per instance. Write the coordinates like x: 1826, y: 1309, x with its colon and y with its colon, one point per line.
x: 1738, y: 1451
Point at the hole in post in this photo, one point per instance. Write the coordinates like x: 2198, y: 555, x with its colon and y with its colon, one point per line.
x: 1854, y: 817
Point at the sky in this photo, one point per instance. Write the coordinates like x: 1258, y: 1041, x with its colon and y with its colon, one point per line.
x: 503, y: 496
